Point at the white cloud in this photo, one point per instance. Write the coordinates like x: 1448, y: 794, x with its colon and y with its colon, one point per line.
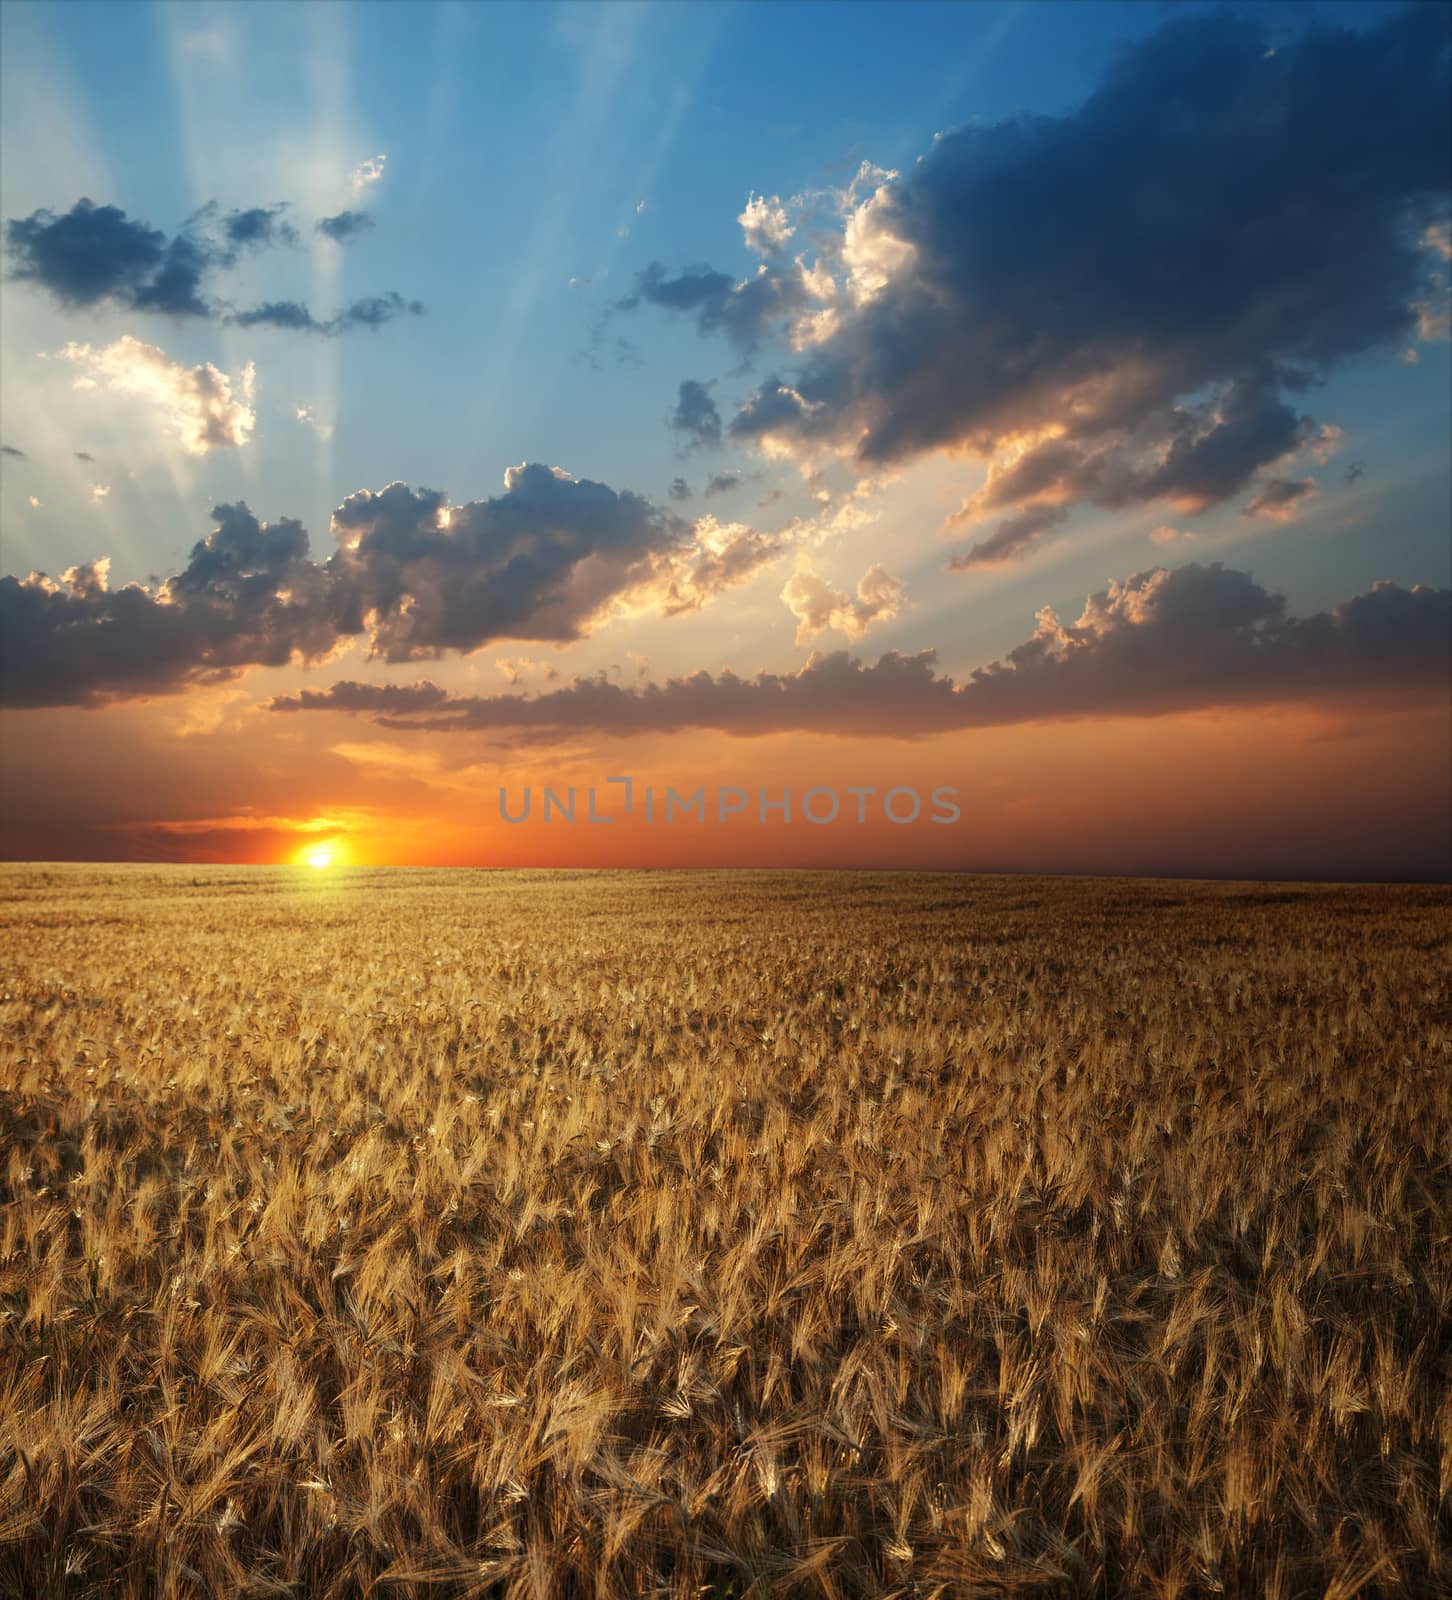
x: 367, y: 172
x: 306, y: 415
x: 765, y: 224
x: 872, y: 253
x: 817, y: 606
x: 198, y: 401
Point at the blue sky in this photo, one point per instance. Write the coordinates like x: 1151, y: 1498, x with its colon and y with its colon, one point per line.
x: 520, y: 167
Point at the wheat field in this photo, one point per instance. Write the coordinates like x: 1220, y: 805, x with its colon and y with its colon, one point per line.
x: 720, y: 1234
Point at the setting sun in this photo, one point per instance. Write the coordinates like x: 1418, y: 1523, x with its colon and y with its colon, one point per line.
x: 318, y: 856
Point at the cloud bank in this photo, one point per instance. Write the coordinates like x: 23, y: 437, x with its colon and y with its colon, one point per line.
x: 416, y: 577
x: 1160, y: 642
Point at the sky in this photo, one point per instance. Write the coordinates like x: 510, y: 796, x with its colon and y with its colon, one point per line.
x: 1050, y: 403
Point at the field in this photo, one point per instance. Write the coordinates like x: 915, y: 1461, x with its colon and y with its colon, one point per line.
x: 595, y: 1234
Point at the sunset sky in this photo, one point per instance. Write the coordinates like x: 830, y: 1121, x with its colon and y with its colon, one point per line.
x: 1052, y: 401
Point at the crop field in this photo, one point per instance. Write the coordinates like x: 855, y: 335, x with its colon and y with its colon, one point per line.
x: 720, y: 1234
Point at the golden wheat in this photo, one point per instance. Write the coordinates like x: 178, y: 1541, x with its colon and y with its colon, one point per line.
x: 592, y: 1234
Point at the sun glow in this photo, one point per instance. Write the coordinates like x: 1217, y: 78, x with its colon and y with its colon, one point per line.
x: 320, y: 854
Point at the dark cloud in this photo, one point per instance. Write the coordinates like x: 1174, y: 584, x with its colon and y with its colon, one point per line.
x: 1280, y: 499
x: 1193, y: 456
x: 394, y: 699
x: 94, y: 255
x: 722, y: 483
x: 1354, y: 472
x: 248, y: 596
x: 412, y: 574
x: 745, y: 312
x: 10, y: 450
x: 345, y: 226
x: 1127, y: 301
x: 775, y: 408
x: 1161, y: 642
x: 372, y: 312
x: 680, y: 489
x: 695, y: 417
x: 258, y: 229
x: 84, y: 455
x: 290, y: 314
x: 536, y: 562
x: 1214, y: 454
x: 1012, y: 536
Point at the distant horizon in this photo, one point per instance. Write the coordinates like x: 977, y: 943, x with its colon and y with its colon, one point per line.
x: 306, y: 875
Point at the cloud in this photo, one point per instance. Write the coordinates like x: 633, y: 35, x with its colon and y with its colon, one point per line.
x: 549, y: 559
x: 817, y: 606
x: 367, y: 173
x: 680, y: 489
x: 1012, y: 537
x: 397, y: 698
x: 1328, y: 442
x: 96, y: 255
x: 695, y: 417
x: 765, y: 224
x: 371, y: 312
x: 345, y: 226
x: 198, y: 402
x: 84, y: 455
x: 10, y: 450
x: 722, y: 483
x: 746, y: 312
x: 1125, y: 304
x: 247, y: 597
x: 99, y: 491
x: 258, y: 229
x: 1280, y: 499
x: 537, y: 562
x: 517, y: 668
x: 305, y: 415
x: 1161, y: 642
x: 719, y: 556
x: 1165, y: 534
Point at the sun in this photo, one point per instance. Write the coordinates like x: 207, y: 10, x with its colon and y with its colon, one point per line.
x: 321, y: 854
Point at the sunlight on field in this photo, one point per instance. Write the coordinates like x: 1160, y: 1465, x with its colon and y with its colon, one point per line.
x: 713, y: 1234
